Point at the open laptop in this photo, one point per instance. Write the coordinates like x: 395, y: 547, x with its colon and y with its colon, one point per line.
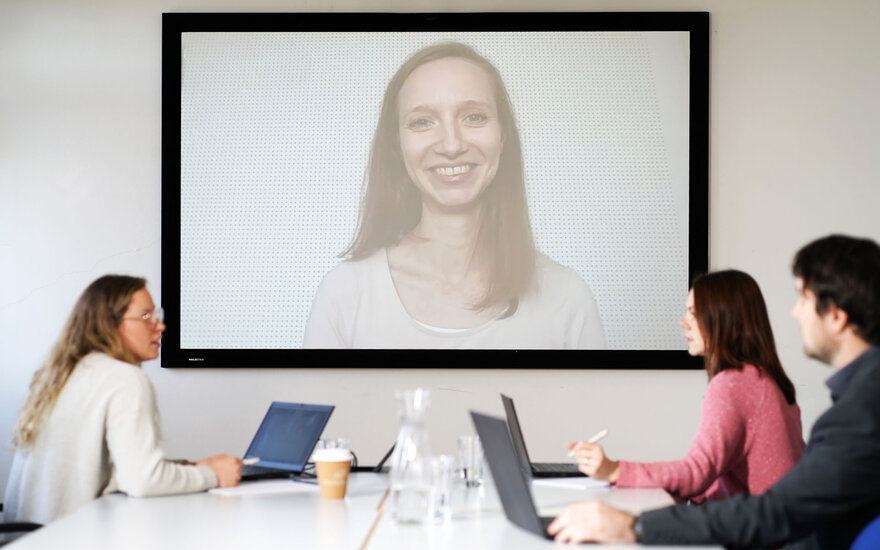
x: 285, y: 440
x: 535, y: 469
x: 378, y: 468
x: 511, y: 482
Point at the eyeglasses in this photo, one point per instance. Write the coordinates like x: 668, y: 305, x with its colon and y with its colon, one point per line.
x: 152, y: 317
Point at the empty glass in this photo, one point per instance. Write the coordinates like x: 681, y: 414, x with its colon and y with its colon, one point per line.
x: 443, y: 467
x: 470, y: 454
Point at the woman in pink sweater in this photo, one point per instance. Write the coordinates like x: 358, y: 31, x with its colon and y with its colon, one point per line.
x: 750, y: 429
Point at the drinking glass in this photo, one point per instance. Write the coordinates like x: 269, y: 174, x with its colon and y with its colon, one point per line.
x: 470, y: 454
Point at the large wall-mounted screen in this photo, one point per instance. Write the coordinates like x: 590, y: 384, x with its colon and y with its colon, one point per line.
x: 432, y: 190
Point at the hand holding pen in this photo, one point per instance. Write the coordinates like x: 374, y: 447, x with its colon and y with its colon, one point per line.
x: 595, y: 439
x: 591, y: 459
x: 226, y: 468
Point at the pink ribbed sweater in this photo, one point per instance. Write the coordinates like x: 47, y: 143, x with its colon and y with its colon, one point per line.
x: 748, y: 437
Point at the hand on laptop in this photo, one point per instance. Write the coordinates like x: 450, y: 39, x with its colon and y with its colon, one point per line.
x: 591, y: 460
x: 227, y: 469
x: 592, y: 521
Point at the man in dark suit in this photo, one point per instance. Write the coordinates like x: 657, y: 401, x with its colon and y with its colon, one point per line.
x: 834, y: 491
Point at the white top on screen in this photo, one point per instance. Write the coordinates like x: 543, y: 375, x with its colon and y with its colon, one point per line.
x: 276, y: 130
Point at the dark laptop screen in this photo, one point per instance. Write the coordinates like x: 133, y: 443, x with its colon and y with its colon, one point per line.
x: 288, y: 435
x: 516, y: 435
x: 510, y: 481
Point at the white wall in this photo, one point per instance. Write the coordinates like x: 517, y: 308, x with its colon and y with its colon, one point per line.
x: 795, y: 155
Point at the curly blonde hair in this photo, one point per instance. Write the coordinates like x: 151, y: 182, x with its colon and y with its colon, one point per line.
x: 92, y: 326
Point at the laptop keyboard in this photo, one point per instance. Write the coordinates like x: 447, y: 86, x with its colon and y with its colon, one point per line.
x: 554, y: 468
x: 253, y: 471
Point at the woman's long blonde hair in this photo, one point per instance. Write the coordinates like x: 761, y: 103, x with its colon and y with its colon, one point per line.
x: 93, y: 326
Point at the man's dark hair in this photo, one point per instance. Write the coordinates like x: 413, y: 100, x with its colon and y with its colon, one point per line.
x: 844, y: 271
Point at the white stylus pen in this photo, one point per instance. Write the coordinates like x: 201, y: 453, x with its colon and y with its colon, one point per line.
x: 249, y: 461
x: 596, y: 438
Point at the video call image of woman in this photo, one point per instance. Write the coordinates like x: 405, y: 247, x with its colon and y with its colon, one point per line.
x: 444, y: 255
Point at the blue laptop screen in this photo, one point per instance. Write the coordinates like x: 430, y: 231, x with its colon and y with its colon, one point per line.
x: 288, y: 435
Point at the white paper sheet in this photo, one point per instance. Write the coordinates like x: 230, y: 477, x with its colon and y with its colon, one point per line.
x: 571, y: 482
x: 266, y: 487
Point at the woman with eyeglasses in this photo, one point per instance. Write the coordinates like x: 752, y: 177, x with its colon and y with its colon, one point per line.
x: 90, y: 425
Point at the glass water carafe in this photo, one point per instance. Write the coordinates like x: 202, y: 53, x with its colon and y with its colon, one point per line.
x: 411, y: 472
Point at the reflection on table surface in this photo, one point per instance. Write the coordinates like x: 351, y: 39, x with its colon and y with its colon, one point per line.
x: 301, y: 519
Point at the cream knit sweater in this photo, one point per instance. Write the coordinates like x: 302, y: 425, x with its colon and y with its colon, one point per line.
x: 102, y: 436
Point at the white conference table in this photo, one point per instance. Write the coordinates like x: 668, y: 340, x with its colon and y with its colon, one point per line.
x: 255, y: 518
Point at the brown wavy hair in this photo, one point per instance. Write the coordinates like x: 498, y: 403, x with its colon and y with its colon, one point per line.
x: 732, y: 317
x: 392, y: 204
x: 92, y: 326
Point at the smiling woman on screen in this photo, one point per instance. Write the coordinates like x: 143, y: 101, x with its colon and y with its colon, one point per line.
x: 444, y: 255
x: 89, y: 425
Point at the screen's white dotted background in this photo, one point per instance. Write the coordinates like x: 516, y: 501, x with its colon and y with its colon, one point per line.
x: 276, y: 130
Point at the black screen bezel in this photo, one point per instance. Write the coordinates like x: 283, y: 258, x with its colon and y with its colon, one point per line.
x: 174, y: 24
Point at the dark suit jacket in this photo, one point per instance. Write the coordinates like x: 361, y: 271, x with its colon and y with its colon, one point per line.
x: 823, y: 502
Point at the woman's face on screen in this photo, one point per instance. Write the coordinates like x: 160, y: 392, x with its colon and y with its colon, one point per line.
x: 696, y: 344
x: 450, y: 135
